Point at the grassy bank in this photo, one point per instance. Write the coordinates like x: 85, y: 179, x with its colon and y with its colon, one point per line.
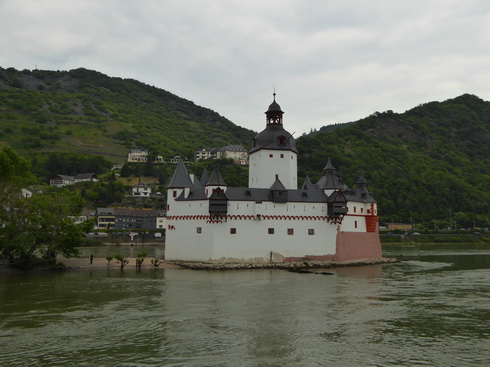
x: 435, y: 237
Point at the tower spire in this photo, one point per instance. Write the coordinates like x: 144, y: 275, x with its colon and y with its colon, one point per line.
x: 274, y: 113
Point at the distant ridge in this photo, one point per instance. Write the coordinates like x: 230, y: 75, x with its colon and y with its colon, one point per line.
x: 431, y: 163
x: 86, y: 111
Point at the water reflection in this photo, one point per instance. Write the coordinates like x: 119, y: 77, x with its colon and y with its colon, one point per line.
x: 430, y: 309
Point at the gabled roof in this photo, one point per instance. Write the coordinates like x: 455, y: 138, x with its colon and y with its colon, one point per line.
x: 180, y: 178
x: 82, y: 176
x: 216, y: 179
x: 65, y: 177
x: 278, y: 186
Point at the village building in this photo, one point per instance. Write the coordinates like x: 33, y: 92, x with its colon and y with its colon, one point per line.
x: 205, y: 153
x: 65, y: 180
x: 125, y: 219
x: 106, y: 218
x: 141, y: 190
x: 141, y: 156
x: 399, y: 226
x: 136, y: 218
x: 232, y: 151
x: 271, y: 220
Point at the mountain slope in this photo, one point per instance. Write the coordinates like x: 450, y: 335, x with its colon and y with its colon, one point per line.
x: 86, y: 111
x: 429, y: 163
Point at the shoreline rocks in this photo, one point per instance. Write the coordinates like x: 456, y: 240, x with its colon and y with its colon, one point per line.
x: 297, y: 266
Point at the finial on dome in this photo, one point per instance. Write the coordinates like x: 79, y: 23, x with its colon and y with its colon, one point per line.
x: 274, y: 94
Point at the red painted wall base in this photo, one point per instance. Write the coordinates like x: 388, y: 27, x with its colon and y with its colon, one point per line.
x: 356, y: 246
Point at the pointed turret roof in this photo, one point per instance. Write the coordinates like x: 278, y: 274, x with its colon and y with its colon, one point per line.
x: 307, y: 183
x: 216, y: 179
x: 329, y: 165
x: 330, y: 179
x: 204, y: 176
x: 180, y: 178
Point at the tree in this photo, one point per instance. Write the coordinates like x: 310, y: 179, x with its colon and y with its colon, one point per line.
x: 37, y: 229
x: 52, y: 214
x: 40, y: 228
x: 15, y: 173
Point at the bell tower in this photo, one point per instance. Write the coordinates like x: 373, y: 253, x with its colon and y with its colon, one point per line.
x: 273, y: 154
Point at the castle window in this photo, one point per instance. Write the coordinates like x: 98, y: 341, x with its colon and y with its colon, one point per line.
x: 270, y: 230
x: 282, y: 155
x: 355, y: 224
x: 290, y: 231
x: 199, y: 230
x: 174, y: 194
x: 232, y: 230
x: 355, y: 209
x: 311, y: 231
x: 362, y: 210
x: 271, y: 155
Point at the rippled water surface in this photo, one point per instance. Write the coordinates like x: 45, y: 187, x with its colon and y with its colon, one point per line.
x: 432, y: 309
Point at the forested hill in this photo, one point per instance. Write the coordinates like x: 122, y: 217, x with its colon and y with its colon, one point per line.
x: 429, y: 163
x: 89, y: 112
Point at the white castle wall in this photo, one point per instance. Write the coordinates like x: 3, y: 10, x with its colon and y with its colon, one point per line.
x: 251, y: 240
x: 264, y: 165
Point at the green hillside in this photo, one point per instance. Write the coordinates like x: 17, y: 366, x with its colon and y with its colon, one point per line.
x: 88, y: 112
x: 429, y: 164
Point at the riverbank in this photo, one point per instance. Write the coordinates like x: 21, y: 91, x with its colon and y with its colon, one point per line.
x: 292, y: 265
x: 99, y: 263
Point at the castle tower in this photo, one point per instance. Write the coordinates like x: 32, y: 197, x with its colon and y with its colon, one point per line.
x: 273, y: 155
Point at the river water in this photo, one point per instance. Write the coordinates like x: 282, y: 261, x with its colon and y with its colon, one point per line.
x: 431, y: 309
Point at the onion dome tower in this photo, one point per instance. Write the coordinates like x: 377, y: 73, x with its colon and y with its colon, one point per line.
x: 273, y: 154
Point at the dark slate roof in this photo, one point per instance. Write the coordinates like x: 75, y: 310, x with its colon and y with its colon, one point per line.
x: 277, y: 185
x: 270, y: 138
x: 274, y: 136
x: 180, y: 178
x: 197, y: 183
x: 294, y: 196
x: 329, y: 166
x: 330, y: 179
x: 308, y: 185
x: 274, y: 106
x: 82, y: 176
x: 204, y: 176
x: 216, y: 179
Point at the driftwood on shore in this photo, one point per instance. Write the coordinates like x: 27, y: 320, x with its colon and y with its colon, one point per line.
x: 297, y: 266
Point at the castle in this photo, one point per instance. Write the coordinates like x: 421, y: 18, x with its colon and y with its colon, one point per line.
x: 271, y: 220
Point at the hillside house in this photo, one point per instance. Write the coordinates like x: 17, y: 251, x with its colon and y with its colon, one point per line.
x: 65, y: 180
x: 236, y: 152
x: 205, y: 153
x: 141, y: 156
x: 141, y: 190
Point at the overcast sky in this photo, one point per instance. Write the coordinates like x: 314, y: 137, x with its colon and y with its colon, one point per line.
x: 329, y: 61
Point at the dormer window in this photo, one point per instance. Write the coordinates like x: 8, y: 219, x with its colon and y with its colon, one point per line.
x: 282, y: 140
